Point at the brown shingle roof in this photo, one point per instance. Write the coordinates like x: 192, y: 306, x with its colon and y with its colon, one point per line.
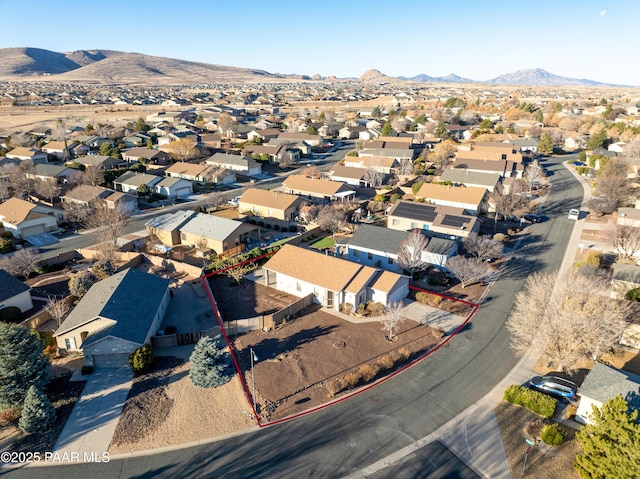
x: 325, y: 271
x: 362, y: 279
x: 190, y: 169
x: 15, y: 211
x: 270, y: 199
x: 303, y: 184
x: 458, y: 194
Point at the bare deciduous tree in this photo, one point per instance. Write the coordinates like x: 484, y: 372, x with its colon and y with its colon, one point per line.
x: 565, y: 318
x: 110, y: 222
x: 184, y: 149
x: 373, y: 177
x: 392, y: 318
x: 76, y: 212
x: 22, y: 263
x: 603, y: 205
x: 405, y: 167
x: 410, y: 253
x: 330, y: 218
x: 225, y: 125
x: 286, y: 160
x: 468, y: 270
x: 46, y: 189
x: 443, y: 153
x: 5, y: 189
x: 215, y: 200
x: 92, y: 175
x: 309, y: 213
x: 624, y: 238
x: 20, y: 183
x: 511, y: 203
x: 482, y: 247
x: 613, y: 181
x: 533, y: 175
x: 311, y: 172
x: 58, y: 308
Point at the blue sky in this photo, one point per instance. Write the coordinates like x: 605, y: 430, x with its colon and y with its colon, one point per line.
x: 475, y: 39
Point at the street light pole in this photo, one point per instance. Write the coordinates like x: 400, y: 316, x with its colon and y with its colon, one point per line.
x: 254, y: 358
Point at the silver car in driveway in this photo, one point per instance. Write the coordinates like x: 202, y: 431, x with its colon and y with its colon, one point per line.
x: 560, y: 388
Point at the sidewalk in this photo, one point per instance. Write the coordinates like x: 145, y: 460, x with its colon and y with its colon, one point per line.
x: 474, y: 435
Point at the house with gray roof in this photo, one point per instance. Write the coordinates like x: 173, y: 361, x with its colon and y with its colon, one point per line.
x: 238, y: 163
x: 99, y: 162
x: 54, y: 174
x: 167, y: 227
x: 117, y: 316
x: 173, y: 187
x: 130, y: 181
x: 14, y: 293
x: 625, y: 277
x: 463, y: 177
x: 221, y: 235
x: 377, y: 246
x: 604, y: 383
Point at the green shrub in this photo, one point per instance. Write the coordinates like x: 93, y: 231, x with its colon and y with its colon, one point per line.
x: 552, y: 434
x: 533, y: 400
x: 500, y: 237
x: 6, y: 235
x: 10, y: 314
x: 141, y: 359
x: 37, y: 412
x: 6, y: 245
x: 583, y: 170
x: 593, y: 258
x: 633, y: 295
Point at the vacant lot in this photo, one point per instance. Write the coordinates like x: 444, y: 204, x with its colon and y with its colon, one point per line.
x: 305, y: 362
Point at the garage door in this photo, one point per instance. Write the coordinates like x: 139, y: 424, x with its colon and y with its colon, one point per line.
x: 183, y: 192
x: 32, y: 230
x: 111, y: 361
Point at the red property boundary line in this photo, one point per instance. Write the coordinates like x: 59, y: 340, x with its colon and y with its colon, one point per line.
x: 448, y: 338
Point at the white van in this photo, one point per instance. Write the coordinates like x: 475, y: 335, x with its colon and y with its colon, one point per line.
x: 574, y: 214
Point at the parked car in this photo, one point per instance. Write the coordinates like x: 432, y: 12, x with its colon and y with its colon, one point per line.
x: 234, y: 202
x: 531, y: 218
x: 560, y: 388
x: 574, y: 214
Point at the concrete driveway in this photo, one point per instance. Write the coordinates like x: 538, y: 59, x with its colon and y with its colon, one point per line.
x: 94, y: 418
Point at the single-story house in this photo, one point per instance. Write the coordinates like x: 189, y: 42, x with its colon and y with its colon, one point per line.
x: 379, y: 247
x: 629, y: 216
x: 23, y: 218
x: 311, y: 140
x: 124, y: 202
x: 395, y: 153
x: 275, y: 153
x: 59, y: 149
x: 54, y: 174
x: 624, y: 278
x: 130, y: 181
x: 14, y: 293
x: 173, y: 187
x: 201, y: 173
x: 264, y: 135
x: 316, y: 189
x: 167, y: 227
x: 524, y: 144
x: 348, y: 175
x: 489, y: 152
x: 381, y: 164
x: 269, y: 204
x: 84, y: 195
x: 238, y: 163
x: 23, y: 153
x: 117, y: 316
x: 221, y: 235
x: 472, y: 200
x: 475, y: 179
x: 441, y: 221
x: 603, y: 383
x: 332, y: 281
x: 506, y: 168
x: 100, y: 162
x: 149, y: 155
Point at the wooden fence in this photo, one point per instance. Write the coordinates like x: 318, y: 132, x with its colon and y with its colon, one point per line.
x: 272, y: 320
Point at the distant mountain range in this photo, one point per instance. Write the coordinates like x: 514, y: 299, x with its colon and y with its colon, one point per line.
x: 109, y: 66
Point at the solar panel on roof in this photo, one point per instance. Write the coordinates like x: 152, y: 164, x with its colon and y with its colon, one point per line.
x: 454, y: 221
x: 416, y: 211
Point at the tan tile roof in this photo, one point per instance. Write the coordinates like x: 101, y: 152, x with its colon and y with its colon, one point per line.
x: 24, y: 151
x: 459, y: 194
x: 303, y: 184
x: 191, y: 169
x: 327, y: 272
x: 493, y: 153
x: 385, y: 161
x: 386, y: 281
x: 271, y: 199
x: 15, y: 211
x: 54, y: 145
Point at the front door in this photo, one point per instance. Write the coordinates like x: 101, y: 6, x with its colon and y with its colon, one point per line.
x: 329, y: 299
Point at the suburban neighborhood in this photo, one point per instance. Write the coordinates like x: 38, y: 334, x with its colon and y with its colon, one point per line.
x: 182, y: 267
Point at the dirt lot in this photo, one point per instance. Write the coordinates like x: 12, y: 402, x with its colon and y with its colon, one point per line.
x: 301, y: 365
x: 164, y: 408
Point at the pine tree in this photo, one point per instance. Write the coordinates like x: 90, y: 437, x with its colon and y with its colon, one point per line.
x: 37, y: 412
x: 545, y: 144
x: 210, y: 366
x: 387, y: 128
x: 610, y: 443
x: 22, y: 364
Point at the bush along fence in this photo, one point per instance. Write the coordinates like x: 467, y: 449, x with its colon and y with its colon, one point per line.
x: 532, y: 400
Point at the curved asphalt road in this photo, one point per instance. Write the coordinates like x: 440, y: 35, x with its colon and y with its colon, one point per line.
x: 348, y: 436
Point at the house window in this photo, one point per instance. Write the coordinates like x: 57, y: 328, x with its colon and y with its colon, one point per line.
x: 390, y: 260
x: 362, y: 298
x: 268, y: 211
x: 183, y: 236
x: 369, y: 255
x: 394, y: 222
x: 298, y: 286
x: 414, y: 225
x: 425, y: 227
x: 504, y: 156
x: 70, y: 343
x: 356, y: 253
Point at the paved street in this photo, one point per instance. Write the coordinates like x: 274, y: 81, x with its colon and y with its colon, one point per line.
x: 348, y: 437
